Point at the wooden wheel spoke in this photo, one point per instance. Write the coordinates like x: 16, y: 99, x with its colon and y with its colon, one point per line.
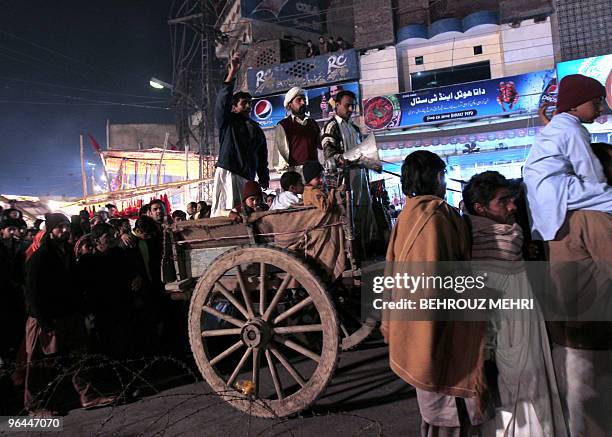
x: 239, y: 366
x: 294, y: 309
x: 233, y: 348
x: 287, y: 365
x: 229, y: 296
x: 221, y: 332
x: 256, y: 365
x: 245, y: 293
x: 220, y: 315
x: 277, y: 296
x: 296, y: 329
x: 298, y: 348
x: 262, y: 288
x: 258, y: 307
x: 344, y: 330
x: 277, y: 385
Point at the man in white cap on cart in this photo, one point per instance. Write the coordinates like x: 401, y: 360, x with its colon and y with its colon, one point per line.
x: 297, y: 136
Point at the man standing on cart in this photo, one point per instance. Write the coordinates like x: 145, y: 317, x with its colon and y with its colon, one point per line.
x: 297, y: 136
x: 340, y: 135
x: 243, y: 151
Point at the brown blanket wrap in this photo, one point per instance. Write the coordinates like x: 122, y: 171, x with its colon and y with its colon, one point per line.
x: 445, y: 357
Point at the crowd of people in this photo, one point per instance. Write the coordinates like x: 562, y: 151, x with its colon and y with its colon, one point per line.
x: 512, y: 376
x: 551, y: 379
x: 85, y: 285
x: 326, y: 45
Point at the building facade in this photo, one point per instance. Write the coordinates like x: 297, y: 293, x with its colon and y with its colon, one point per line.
x: 463, y: 79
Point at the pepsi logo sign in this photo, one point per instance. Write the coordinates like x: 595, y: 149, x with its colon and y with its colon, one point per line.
x: 263, y: 110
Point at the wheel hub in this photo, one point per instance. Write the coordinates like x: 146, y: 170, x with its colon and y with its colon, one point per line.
x: 256, y: 333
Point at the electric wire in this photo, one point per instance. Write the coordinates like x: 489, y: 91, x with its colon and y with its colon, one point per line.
x: 56, y: 85
x: 53, y: 51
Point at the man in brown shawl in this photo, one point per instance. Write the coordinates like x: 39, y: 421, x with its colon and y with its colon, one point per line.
x: 443, y: 360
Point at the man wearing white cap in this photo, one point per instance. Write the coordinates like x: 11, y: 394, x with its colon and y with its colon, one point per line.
x: 297, y: 136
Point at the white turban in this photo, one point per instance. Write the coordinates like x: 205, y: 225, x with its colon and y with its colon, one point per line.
x: 292, y: 94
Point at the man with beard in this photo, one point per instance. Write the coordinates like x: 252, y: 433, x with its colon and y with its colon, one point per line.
x: 529, y: 401
x: 243, y: 150
x: 297, y: 136
x: 443, y: 360
x: 55, y: 326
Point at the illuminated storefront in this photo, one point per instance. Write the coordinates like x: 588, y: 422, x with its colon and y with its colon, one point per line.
x: 474, y: 127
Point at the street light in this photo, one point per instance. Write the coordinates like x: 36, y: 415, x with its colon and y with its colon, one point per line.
x: 160, y: 84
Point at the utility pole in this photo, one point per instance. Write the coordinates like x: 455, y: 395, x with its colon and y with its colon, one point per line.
x: 202, y: 26
x: 83, y: 177
x: 210, y: 73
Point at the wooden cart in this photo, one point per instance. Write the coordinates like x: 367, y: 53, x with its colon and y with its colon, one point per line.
x: 267, y: 321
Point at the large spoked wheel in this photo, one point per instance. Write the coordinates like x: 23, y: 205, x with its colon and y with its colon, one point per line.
x: 361, y: 331
x: 353, y: 330
x: 264, y: 331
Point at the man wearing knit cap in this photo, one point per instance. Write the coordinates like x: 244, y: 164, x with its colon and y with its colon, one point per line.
x: 297, y: 136
x: 570, y: 203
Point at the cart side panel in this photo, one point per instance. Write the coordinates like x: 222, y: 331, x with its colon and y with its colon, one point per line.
x: 197, y: 261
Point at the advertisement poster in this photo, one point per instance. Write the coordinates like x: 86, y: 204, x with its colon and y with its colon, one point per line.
x: 320, y: 70
x: 598, y: 67
x: 269, y: 111
x: 508, y: 95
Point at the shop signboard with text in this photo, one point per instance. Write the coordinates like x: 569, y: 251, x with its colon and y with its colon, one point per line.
x: 269, y: 111
x: 320, y: 70
x: 508, y: 95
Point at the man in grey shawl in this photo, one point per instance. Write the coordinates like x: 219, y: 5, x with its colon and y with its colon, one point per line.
x: 529, y: 402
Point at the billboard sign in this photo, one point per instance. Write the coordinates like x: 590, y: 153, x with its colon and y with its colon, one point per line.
x: 268, y: 111
x: 597, y: 67
x: 508, y: 95
x: 308, y: 72
x: 302, y: 14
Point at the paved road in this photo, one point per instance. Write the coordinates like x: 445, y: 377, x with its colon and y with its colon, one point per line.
x: 364, y: 399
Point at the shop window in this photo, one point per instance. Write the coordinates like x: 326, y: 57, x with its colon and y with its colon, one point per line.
x: 451, y: 76
x: 418, y: 60
x: 478, y: 50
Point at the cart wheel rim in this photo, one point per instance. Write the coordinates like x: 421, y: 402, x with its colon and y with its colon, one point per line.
x: 290, y: 364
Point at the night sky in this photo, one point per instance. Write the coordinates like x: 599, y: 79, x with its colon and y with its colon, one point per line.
x: 65, y: 66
